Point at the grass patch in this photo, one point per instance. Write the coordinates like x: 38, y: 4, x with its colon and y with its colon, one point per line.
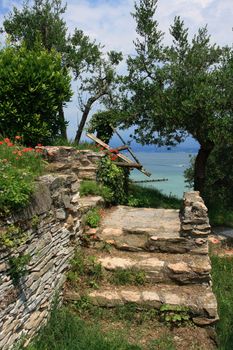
x: 92, y: 188
x: 222, y: 274
x: 152, y: 198
x: 66, y: 331
x: 84, y: 269
x: 129, y: 276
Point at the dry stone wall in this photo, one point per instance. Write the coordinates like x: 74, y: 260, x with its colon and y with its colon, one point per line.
x: 64, y: 159
x: 49, y: 230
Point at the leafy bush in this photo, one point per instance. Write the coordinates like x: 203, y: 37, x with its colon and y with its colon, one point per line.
x: 33, y: 87
x: 19, y: 166
x: 115, y: 178
x: 92, y: 218
x: 95, y: 189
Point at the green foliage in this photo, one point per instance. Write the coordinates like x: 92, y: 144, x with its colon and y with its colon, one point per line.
x: 18, y: 266
x: 19, y: 167
x: 85, y: 268
x: 174, y: 315
x: 33, y: 85
x: 175, y: 91
x: 222, y: 274
x: 65, y: 331
x: 92, y: 218
x: 115, y: 178
x: 189, y: 173
x: 151, y: 197
x: 128, y: 276
x: 218, y: 190
x: 96, y: 189
x: 12, y: 237
x: 102, y: 123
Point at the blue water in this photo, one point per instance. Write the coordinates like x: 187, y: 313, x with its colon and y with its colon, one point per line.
x: 169, y: 165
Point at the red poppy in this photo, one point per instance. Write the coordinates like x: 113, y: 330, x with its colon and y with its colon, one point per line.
x: 17, y: 137
x: 1, y: 143
x: 7, y: 140
x: 39, y: 145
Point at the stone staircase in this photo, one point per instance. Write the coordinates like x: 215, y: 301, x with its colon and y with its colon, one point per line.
x: 168, y: 248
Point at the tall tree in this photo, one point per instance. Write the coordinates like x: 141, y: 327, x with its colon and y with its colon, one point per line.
x: 42, y: 22
x: 99, y: 86
x: 177, y: 90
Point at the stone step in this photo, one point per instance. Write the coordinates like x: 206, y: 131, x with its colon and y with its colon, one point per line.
x: 147, y: 229
x: 144, y: 240
x: 199, y: 300
x: 89, y: 202
x: 160, y: 267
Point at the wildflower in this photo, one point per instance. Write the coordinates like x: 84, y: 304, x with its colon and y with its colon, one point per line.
x: 17, y: 137
x: 38, y: 151
x: 114, y: 151
x: 14, y: 152
x: 39, y: 145
x: 19, y: 153
x: 10, y: 144
x: 27, y: 149
x: 1, y: 143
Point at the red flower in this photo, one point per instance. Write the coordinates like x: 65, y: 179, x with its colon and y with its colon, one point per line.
x: 114, y: 151
x: 39, y: 145
x: 9, y: 144
x: 1, y: 143
x: 38, y: 151
x: 7, y: 140
x: 28, y: 149
x: 18, y: 137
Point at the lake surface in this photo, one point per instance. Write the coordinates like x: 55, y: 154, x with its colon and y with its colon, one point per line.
x: 170, y: 165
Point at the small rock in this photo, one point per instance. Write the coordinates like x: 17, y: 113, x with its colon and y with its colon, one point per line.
x: 60, y: 214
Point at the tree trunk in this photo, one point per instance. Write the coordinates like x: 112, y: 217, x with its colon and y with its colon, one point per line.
x: 86, y: 111
x: 83, y: 122
x: 62, y: 122
x: 200, y: 166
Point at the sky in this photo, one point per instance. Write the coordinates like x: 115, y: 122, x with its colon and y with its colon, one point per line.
x: 110, y: 23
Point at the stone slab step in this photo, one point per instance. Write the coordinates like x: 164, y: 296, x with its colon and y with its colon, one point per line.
x: 199, y: 300
x: 160, y: 267
x: 140, y: 240
x: 154, y: 230
x: 88, y: 202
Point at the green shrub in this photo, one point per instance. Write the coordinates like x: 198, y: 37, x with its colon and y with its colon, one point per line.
x: 33, y: 87
x: 92, y: 218
x: 115, y: 178
x: 18, y: 267
x: 19, y: 166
